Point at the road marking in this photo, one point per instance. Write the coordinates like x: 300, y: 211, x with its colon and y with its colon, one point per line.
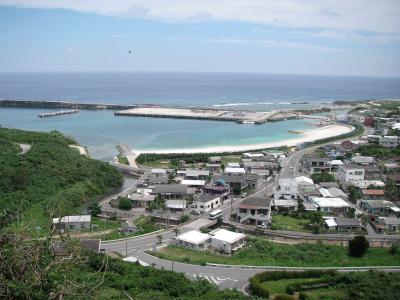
x: 213, y: 279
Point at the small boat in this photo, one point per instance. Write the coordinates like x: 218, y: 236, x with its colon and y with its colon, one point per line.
x: 246, y: 122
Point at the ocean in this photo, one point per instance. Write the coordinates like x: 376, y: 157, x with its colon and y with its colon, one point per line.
x: 100, y: 131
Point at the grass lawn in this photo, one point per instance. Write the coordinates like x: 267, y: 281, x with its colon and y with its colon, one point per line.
x: 123, y: 160
x: 279, y: 286
x: 331, y: 293
x: 262, y: 252
x: 230, y: 159
x: 290, y: 223
x: 159, y: 164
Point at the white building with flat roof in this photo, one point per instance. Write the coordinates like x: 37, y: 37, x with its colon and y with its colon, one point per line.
x: 226, y: 241
x: 193, y: 239
x: 330, y: 205
x: 73, y: 222
x: 234, y: 170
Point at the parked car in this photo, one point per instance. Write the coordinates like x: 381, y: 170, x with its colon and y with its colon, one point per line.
x: 262, y: 225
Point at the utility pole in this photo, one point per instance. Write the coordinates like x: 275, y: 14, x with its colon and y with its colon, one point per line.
x: 126, y: 247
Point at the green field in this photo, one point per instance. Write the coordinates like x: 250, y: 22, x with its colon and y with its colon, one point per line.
x: 261, y: 252
x: 289, y: 223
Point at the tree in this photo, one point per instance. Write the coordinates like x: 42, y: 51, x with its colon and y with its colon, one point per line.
x: 391, y: 191
x: 316, y: 220
x: 354, y: 193
x: 184, y: 218
x: 358, y: 246
x: 124, y: 203
x: 322, y: 177
x: 95, y: 209
x: 219, y: 221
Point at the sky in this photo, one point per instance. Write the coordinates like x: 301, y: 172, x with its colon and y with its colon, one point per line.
x: 332, y: 37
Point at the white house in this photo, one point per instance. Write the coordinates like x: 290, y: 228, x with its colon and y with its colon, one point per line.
x: 233, y: 165
x: 193, y: 239
x: 350, y: 173
x: 73, y: 222
x: 287, y: 189
x: 234, y: 171
x: 330, y: 205
x: 206, y: 202
x: 389, y: 141
x: 226, y: 241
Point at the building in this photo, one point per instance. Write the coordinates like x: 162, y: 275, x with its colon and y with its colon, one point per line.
x: 174, y: 191
x: 255, y: 211
x: 193, y: 239
x: 141, y: 200
x: 286, y: 189
x: 215, y: 160
x: 206, y: 202
x: 158, y: 172
x: 213, y: 168
x: 285, y: 205
x: 363, y: 184
x: 226, y: 241
x: 343, y: 224
x: 333, y: 192
x: 306, y: 188
x: 350, y: 173
x: 194, y: 183
x: 330, y: 205
x: 389, y: 141
x: 253, y: 165
x: 193, y: 174
x: 372, y: 173
x: 362, y: 160
x: 314, y: 163
x: 233, y: 165
x: 371, y: 194
x: 389, y: 224
x: 234, y: 171
x: 68, y: 223
x: 218, y: 188
x: 376, y: 207
x: 335, y: 165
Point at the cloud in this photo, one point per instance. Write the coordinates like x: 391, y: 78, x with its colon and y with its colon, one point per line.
x: 345, y: 35
x: 374, y: 16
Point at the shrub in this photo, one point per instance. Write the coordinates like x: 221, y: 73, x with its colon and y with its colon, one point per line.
x: 94, y: 209
x: 358, y: 246
x: 124, y: 203
x: 303, y: 295
x: 394, y: 249
x: 184, y: 218
x: 283, y: 297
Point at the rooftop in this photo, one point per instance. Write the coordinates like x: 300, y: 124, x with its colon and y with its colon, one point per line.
x: 171, y: 188
x: 372, y: 192
x: 330, y: 202
x: 193, y: 182
x: 73, y: 219
x: 235, y: 170
x: 196, y: 173
x: 193, y: 237
x: 226, y: 235
x: 256, y: 202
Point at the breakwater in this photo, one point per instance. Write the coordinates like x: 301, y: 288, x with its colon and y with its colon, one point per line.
x: 58, y: 113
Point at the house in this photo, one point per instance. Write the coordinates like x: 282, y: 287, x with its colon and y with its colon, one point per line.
x: 213, y: 168
x: 362, y: 160
x: 306, y: 188
x: 333, y: 192
x: 141, y: 200
x: 215, y: 160
x: 286, y: 189
x: 158, y: 172
x: 390, y: 224
x: 153, y: 180
x: 350, y: 173
x: 376, y: 207
x: 128, y: 227
x: 343, y: 224
x: 389, y: 141
x: 192, y: 183
x: 226, y: 241
x: 68, y: 223
x: 330, y: 205
x: 234, y: 171
x: 206, y: 202
x: 241, y: 181
x: 192, y: 174
x: 335, y: 165
x: 328, y: 185
x: 253, y: 165
x: 372, y: 173
x: 258, y: 172
x: 255, y: 211
x: 193, y: 239
x: 314, y: 163
x: 285, y: 205
x: 176, y: 205
x: 363, y: 184
x: 371, y: 194
x: 218, y: 188
x: 174, y: 191
x: 233, y: 165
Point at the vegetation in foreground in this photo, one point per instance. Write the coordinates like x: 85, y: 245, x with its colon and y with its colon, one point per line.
x: 318, y: 285
x: 265, y: 253
x: 49, y: 179
x: 58, y: 268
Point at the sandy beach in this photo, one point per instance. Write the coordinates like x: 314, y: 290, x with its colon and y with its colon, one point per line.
x: 298, y: 138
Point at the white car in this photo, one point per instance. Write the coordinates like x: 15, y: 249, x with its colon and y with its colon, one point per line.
x: 262, y: 225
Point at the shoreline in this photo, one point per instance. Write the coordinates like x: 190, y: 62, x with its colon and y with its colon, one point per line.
x: 306, y: 136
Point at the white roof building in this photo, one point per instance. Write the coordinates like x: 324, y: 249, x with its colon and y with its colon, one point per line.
x: 193, y: 237
x: 233, y: 165
x: 73, y: 219
x: 176, y: 204
x: 330, y: 204
x: 159, y: 171
x: 332, y: 192
x: 190, y: 182
x: 226, y: 241
x: 251, y: 155
x: 235, y: 170
x: 304, y: 180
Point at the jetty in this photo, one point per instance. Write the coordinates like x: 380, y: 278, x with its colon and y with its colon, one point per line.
x: 58, y: 113
x: 197, y: 113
